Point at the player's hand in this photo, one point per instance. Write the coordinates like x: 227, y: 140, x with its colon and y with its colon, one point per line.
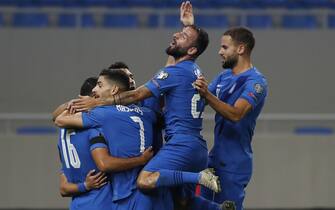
x: 201, y: 85
x: 95, y: 181
x: 84, y: 103
x: 147, y: 155
x: 69, y: 106
x: 186, y: 13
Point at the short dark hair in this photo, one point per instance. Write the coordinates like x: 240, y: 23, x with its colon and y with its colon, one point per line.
x: 242, y: 35
x: 87, y: 86
x: 201, y: 41
x: 118, y: 76
x: 118, y: 65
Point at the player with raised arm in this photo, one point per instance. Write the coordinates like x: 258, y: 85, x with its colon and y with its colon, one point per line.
x: 238, y: 95
x: 185, y: 151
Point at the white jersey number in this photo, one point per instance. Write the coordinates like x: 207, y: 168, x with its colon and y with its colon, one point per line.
x: 140, y: 122
x: 195, y: 99
x: 69, y: 148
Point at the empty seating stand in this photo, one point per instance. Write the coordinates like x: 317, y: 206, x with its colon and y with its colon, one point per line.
x: 67, y: 20
x: 37, y: 20
x: 120, y: 21
x: 175, y: 3
x: 2, y: 22
x: 259, y: 21
x: 331, y: 21
x: 88, y: 21
x: 212, y: 21
x: 299, y: 22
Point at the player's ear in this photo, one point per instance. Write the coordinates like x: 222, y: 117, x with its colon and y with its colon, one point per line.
x: 241, y: 49
x: 114, y: 90
x: 192, y: 51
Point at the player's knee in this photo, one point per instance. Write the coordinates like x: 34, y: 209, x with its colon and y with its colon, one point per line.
x: 147, y: 180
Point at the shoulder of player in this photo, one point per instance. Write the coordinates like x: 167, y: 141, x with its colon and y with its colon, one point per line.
x: 257, y: 77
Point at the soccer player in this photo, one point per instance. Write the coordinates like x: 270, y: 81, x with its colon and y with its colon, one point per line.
x: 89, y: 190
x: 185, y: 150
x: 237, y: 95
x: 128, y: 130
x: 152, y: 103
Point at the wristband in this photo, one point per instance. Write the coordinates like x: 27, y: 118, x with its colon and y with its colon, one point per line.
x: 82, y: 187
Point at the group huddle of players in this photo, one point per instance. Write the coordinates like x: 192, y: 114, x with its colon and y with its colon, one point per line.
x: 110, y: 140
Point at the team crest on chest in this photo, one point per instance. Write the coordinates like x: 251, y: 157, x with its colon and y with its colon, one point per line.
x: 162, y: 75
x: 258, y: 88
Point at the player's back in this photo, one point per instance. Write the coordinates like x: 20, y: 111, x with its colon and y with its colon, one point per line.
x: 75, y: 154
x: 128, y: 131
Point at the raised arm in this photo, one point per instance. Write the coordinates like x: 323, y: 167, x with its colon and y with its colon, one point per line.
x: 92, y: 181
x: 107, y: 163
x: 186, y: 13
x: 124, y: 98
x: 234, y: 113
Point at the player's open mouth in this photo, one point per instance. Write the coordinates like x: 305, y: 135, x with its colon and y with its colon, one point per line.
x: 173, y: 43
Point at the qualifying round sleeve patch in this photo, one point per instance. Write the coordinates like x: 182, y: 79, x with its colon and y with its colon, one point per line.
x: 258, y: 88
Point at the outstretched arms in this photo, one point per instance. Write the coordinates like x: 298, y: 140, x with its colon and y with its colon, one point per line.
x: 124, y: 98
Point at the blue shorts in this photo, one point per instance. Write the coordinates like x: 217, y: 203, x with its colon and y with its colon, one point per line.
x: 183, y: 153
x: 136, y: 201
x: 232, y: 188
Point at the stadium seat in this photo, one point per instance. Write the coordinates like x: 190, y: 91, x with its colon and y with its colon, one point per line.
x: 171, y: 21
x: 331, y: 21
x: 273, y: 3
x: 259, y: 21
x: 52, y: 2
x: 7, y: 2
x: 212, y: 21
x: 153, y: 21
x: 299, y: 22
x: 67, y: 20
x: 88, y: 21
x: 227, y: 3
x: 141, y: 3
x: 120, y: 21
x: 36, y: 130
x: 2, y: 22
x: 30, y: 20
x: 313, y: 130
x: 110, y: 3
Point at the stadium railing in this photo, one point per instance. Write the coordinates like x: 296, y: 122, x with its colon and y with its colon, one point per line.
x: 104, y: 17
x: 267, y: 124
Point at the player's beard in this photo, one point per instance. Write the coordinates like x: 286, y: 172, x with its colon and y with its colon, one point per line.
x: 230, y: 62
x: 176, y: 52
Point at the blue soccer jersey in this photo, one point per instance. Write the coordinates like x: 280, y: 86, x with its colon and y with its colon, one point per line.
x: 183, y: 104
x: 128, y: 131
x: 232, y: 142
x: 74, y: 148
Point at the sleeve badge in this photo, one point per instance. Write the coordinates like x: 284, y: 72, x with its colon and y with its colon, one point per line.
x: 162, y: 75
x: 258, y: 88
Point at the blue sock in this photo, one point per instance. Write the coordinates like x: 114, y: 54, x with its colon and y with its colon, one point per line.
x: 200, y: 203
x: 173, y: 178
